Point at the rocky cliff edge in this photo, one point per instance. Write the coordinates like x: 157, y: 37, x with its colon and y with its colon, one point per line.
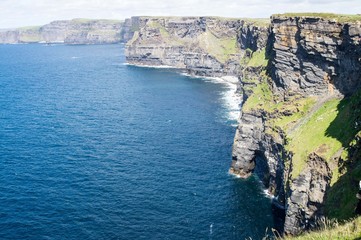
x: 299, y: 78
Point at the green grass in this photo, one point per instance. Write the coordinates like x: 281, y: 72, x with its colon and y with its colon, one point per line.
x: 155, y: 24
x: 261, y: 98
x: 220, y: 48
x: 259, y: 22
x: 342, y: 18
x: 312, y: 137
x: 298, y: 107
x: 348, y: 231
x: 329, y: 129
x: 258, y: 59
x: 341, y: 200
x: 166, y: 37
x: 29, y: 28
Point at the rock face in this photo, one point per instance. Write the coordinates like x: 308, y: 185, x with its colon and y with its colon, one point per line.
x: 315, y: 56
x: 305, y: 205
x: 306, y: 56
x: 130, y: 25
x: 23, y: 35
x: 205, y: 46
x: 252, y: 37
x: 76, y: 31
x: 247, y: 142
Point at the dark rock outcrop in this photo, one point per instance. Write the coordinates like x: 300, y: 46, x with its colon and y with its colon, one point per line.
x: 316, y: 56
x: 307, y: 194
x: 252, y: 37
x: 247, y: 141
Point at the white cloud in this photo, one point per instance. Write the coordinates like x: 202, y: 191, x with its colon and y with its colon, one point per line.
x: 37, y: 12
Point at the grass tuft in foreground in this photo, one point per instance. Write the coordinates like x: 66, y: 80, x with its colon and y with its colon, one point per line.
x: 334, y: 230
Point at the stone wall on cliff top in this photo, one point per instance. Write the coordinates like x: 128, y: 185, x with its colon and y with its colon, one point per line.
x: 204, y: 46
x: 76, y: 31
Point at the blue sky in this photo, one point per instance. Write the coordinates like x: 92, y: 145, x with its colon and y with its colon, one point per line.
x: 15, y: 13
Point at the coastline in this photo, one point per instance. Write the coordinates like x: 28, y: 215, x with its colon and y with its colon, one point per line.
x: 231, y: 98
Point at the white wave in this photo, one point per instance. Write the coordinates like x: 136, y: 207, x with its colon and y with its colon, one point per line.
x: 75, y: 57
x: 150, y: 66
x: 232, y: 101
x: 230, y: 98
x: 267, y: 194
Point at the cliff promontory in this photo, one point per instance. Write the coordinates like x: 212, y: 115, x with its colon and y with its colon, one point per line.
x: 300, y: 79
x: 205, y: 46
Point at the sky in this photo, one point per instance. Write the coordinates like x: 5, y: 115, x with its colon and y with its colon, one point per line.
x: 17, y: 13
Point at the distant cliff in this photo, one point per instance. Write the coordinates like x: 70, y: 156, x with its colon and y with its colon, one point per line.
x: 76, y: 31
x: 205, y: 46
x: 300, y: 125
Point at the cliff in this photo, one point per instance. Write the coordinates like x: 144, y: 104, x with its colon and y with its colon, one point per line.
x: 300, y: 122
x: 76, y: 31
x: 205, y: 46
x: 316, y: 55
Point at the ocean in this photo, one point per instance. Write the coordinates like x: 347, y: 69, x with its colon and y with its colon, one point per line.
x: 93, y: 148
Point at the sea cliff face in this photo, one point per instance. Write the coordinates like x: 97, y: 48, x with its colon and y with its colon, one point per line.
x: 313, y: 63
x: 204, y: 46
x: 76, y: 31
x: 315, y: 55
x: 319, y: 57
x: 298, y: 121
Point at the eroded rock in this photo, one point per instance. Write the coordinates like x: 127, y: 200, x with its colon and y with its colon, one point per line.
x: 307, y: 194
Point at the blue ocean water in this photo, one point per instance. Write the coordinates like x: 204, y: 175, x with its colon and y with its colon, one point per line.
x: 91, y: 148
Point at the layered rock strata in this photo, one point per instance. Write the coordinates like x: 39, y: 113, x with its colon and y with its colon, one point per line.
x: 205, y: 46
x: 305, y: 204
x: 307, y: 56
x: 76, y: 31
x: 316, y: 56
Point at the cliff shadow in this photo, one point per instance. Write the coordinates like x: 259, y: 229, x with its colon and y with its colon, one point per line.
x: 346, y: 128
x: 272, y: 183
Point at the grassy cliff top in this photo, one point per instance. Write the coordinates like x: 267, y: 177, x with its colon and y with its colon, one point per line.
x: 86, y: 20
x: 28, y: 28
x: 261, y: 22
x: 331, y: 16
